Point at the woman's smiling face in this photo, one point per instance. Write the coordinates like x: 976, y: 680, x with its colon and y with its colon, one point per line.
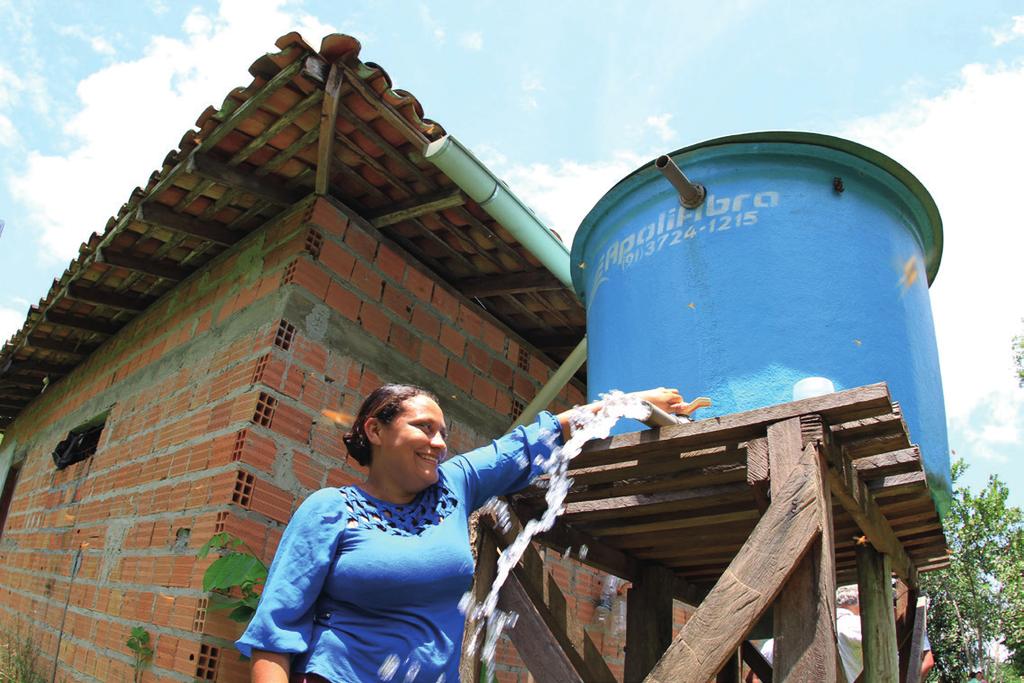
x: 408, y: 450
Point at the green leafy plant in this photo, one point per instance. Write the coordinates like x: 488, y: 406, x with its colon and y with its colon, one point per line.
x: 234, y: 578
x: 139, y: 643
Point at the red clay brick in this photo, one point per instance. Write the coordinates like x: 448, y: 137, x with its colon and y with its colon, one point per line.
x: 398, y: 302
x: 361, y: 243
x: 501, y: 372
x: 444, y: 302
x: 336, y: 259
x: 433, y: 358
x: 494, y: 338
x: 311, y: 276
x: 523, y: 386
x: 325, y: 216
x: 374, y: 321
x: 418, y: 284
x: 428, y: 324
x: 311, y: 354
x: 390, y: 263
x: 470, y: 322
x: 271, y: 501
x: 484, y: 390
x: 342, y: 300
x: 307, y: 471
x: 460, y: 375
x: 478, y: 357
x: 452, y: 340
x: 404, y: 341
x: 367, y: 281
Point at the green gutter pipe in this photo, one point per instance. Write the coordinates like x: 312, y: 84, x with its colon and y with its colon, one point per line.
x: 494, y: 197
x: 549, y: 391
x: 477, y: 181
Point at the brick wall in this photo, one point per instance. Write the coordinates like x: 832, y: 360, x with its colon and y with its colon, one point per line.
x: 215, y: 396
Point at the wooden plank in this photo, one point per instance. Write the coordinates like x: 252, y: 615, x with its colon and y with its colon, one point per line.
x: 276, y: 127
x: 74, y: 347
x: 916, y: 651
x: 852, y: 493
x: 889, y: 423
x: 867, y: 401
x: 703, y: 476
x: 162, y: 269
x: 896, y: 462
x: 39, y: 367
x: 419, y: 206
x: 804, y: 613
x: 675, y: 523
x: 533, y: 639
x: 878, y: 625
x: 619, y: 507
x: 164, y: 217
x: 756, y: 661
x: 79, y: 322
x: 898, y: 484
x: 746, y: 589
x: 758, y: 471
x: 328, y: 128
x: 874, y: 445
x: 483, y: 578
x: 600, y: 555
x: 513, y: 283
x: 656, y: 464
x: 648, y: 620
x: 122, y: 302
x: 229, y: 176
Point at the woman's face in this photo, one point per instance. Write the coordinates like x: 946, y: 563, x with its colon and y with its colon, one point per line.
x: 408, y: 450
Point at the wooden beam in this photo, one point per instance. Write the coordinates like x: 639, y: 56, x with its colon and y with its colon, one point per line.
x: 164, y: 217
x: 483, y: 577
x: 279, y: 125
x: 878, y: 624
x: 852, y: 493
x: 515, y: 283
x: 896, y: 462
x: 79, y: 322
x: 648, y: 620
x: 756, y: 661
x: 653, y: 503
x: 123, y: 302
x: 162, y: 269
x: 897, y: 484
x: 853, y: 403
x: 746, y: 589
x: 37, y: 367
x: 223, y: 174
x: 805, y: 613
x: 532, y: 637
x: 328, y: 127
x: 387, y: 112
x: 916, y: 650
x: 419, y: 206
x: 74, y: 347
x: 542, y: 588
x: 758, y: 471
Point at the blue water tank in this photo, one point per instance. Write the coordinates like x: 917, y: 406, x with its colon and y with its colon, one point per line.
x: 811, y: 256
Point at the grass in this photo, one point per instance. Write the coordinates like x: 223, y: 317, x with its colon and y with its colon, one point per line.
x: 19, y: 658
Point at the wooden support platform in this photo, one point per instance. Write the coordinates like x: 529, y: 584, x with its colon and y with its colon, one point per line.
x: 767, y: 509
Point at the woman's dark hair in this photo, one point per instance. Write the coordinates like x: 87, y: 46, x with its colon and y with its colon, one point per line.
x: 385, y: 404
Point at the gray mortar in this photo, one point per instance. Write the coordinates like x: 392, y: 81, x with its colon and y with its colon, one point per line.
x: 284, y: 475
x: 317, y: 322
x: 346, y: 336
x: 113, y: 543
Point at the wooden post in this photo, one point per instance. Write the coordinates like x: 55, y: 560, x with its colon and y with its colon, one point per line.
x: 916, y: 652
x: 877, y: 621
x: 328, y: 120
x: 804, y: 613
x: 648, y: 620
x: 486, y: 569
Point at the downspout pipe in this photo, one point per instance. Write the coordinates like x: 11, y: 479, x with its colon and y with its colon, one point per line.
x: 477, y: 181
x: 549, y: 391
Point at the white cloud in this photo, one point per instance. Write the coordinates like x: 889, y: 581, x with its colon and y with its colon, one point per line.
x: 431, y: 24
x: 99, y: 44
x: 1005, y: 35
x: 659, y: 124
x: 10, y: 86
x: 11, y: 321
x: 133, y: 112
x: 474, y: 40
x: 964, y: 146
x: 8, y: 133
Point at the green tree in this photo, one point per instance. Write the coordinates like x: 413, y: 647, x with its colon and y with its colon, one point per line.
x: 979, y: 598
x: 1018, y: 357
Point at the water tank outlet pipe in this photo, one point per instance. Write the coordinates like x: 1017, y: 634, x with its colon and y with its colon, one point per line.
x: 691, y: 195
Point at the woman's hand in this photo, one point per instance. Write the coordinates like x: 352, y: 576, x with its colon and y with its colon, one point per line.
x: 669, y: 400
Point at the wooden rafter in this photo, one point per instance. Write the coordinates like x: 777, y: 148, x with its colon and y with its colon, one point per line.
x: 223, y: 174
x: 416, y: 207
x: 118, y: 300
x: 80, y: 322
x: 328, y: 124
x: 514, y: 283
x: 164, y: 217
x: 75, y: 347
x: 161, y: 269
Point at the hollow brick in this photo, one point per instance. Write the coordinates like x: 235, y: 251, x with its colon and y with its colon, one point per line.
x: 374, y: 321
x: 342, y: 300
x: 338, y: 261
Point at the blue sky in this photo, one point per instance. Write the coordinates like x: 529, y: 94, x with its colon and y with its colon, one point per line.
x: 561, y: 99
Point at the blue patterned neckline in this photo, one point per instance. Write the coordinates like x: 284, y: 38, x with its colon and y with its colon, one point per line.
x: 430, y: 507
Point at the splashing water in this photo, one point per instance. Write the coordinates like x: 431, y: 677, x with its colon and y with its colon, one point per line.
x: 389, y: 668
x: 586, y: 425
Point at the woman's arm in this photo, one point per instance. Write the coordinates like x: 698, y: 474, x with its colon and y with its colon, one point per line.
x: 270, y: 667
x: 668, y: 400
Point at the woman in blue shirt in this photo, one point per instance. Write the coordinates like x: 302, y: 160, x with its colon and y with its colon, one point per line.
x: 367, y: 579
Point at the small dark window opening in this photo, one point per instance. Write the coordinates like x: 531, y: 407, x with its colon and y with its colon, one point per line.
x: 5, y: 499
x: 80, y: 443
